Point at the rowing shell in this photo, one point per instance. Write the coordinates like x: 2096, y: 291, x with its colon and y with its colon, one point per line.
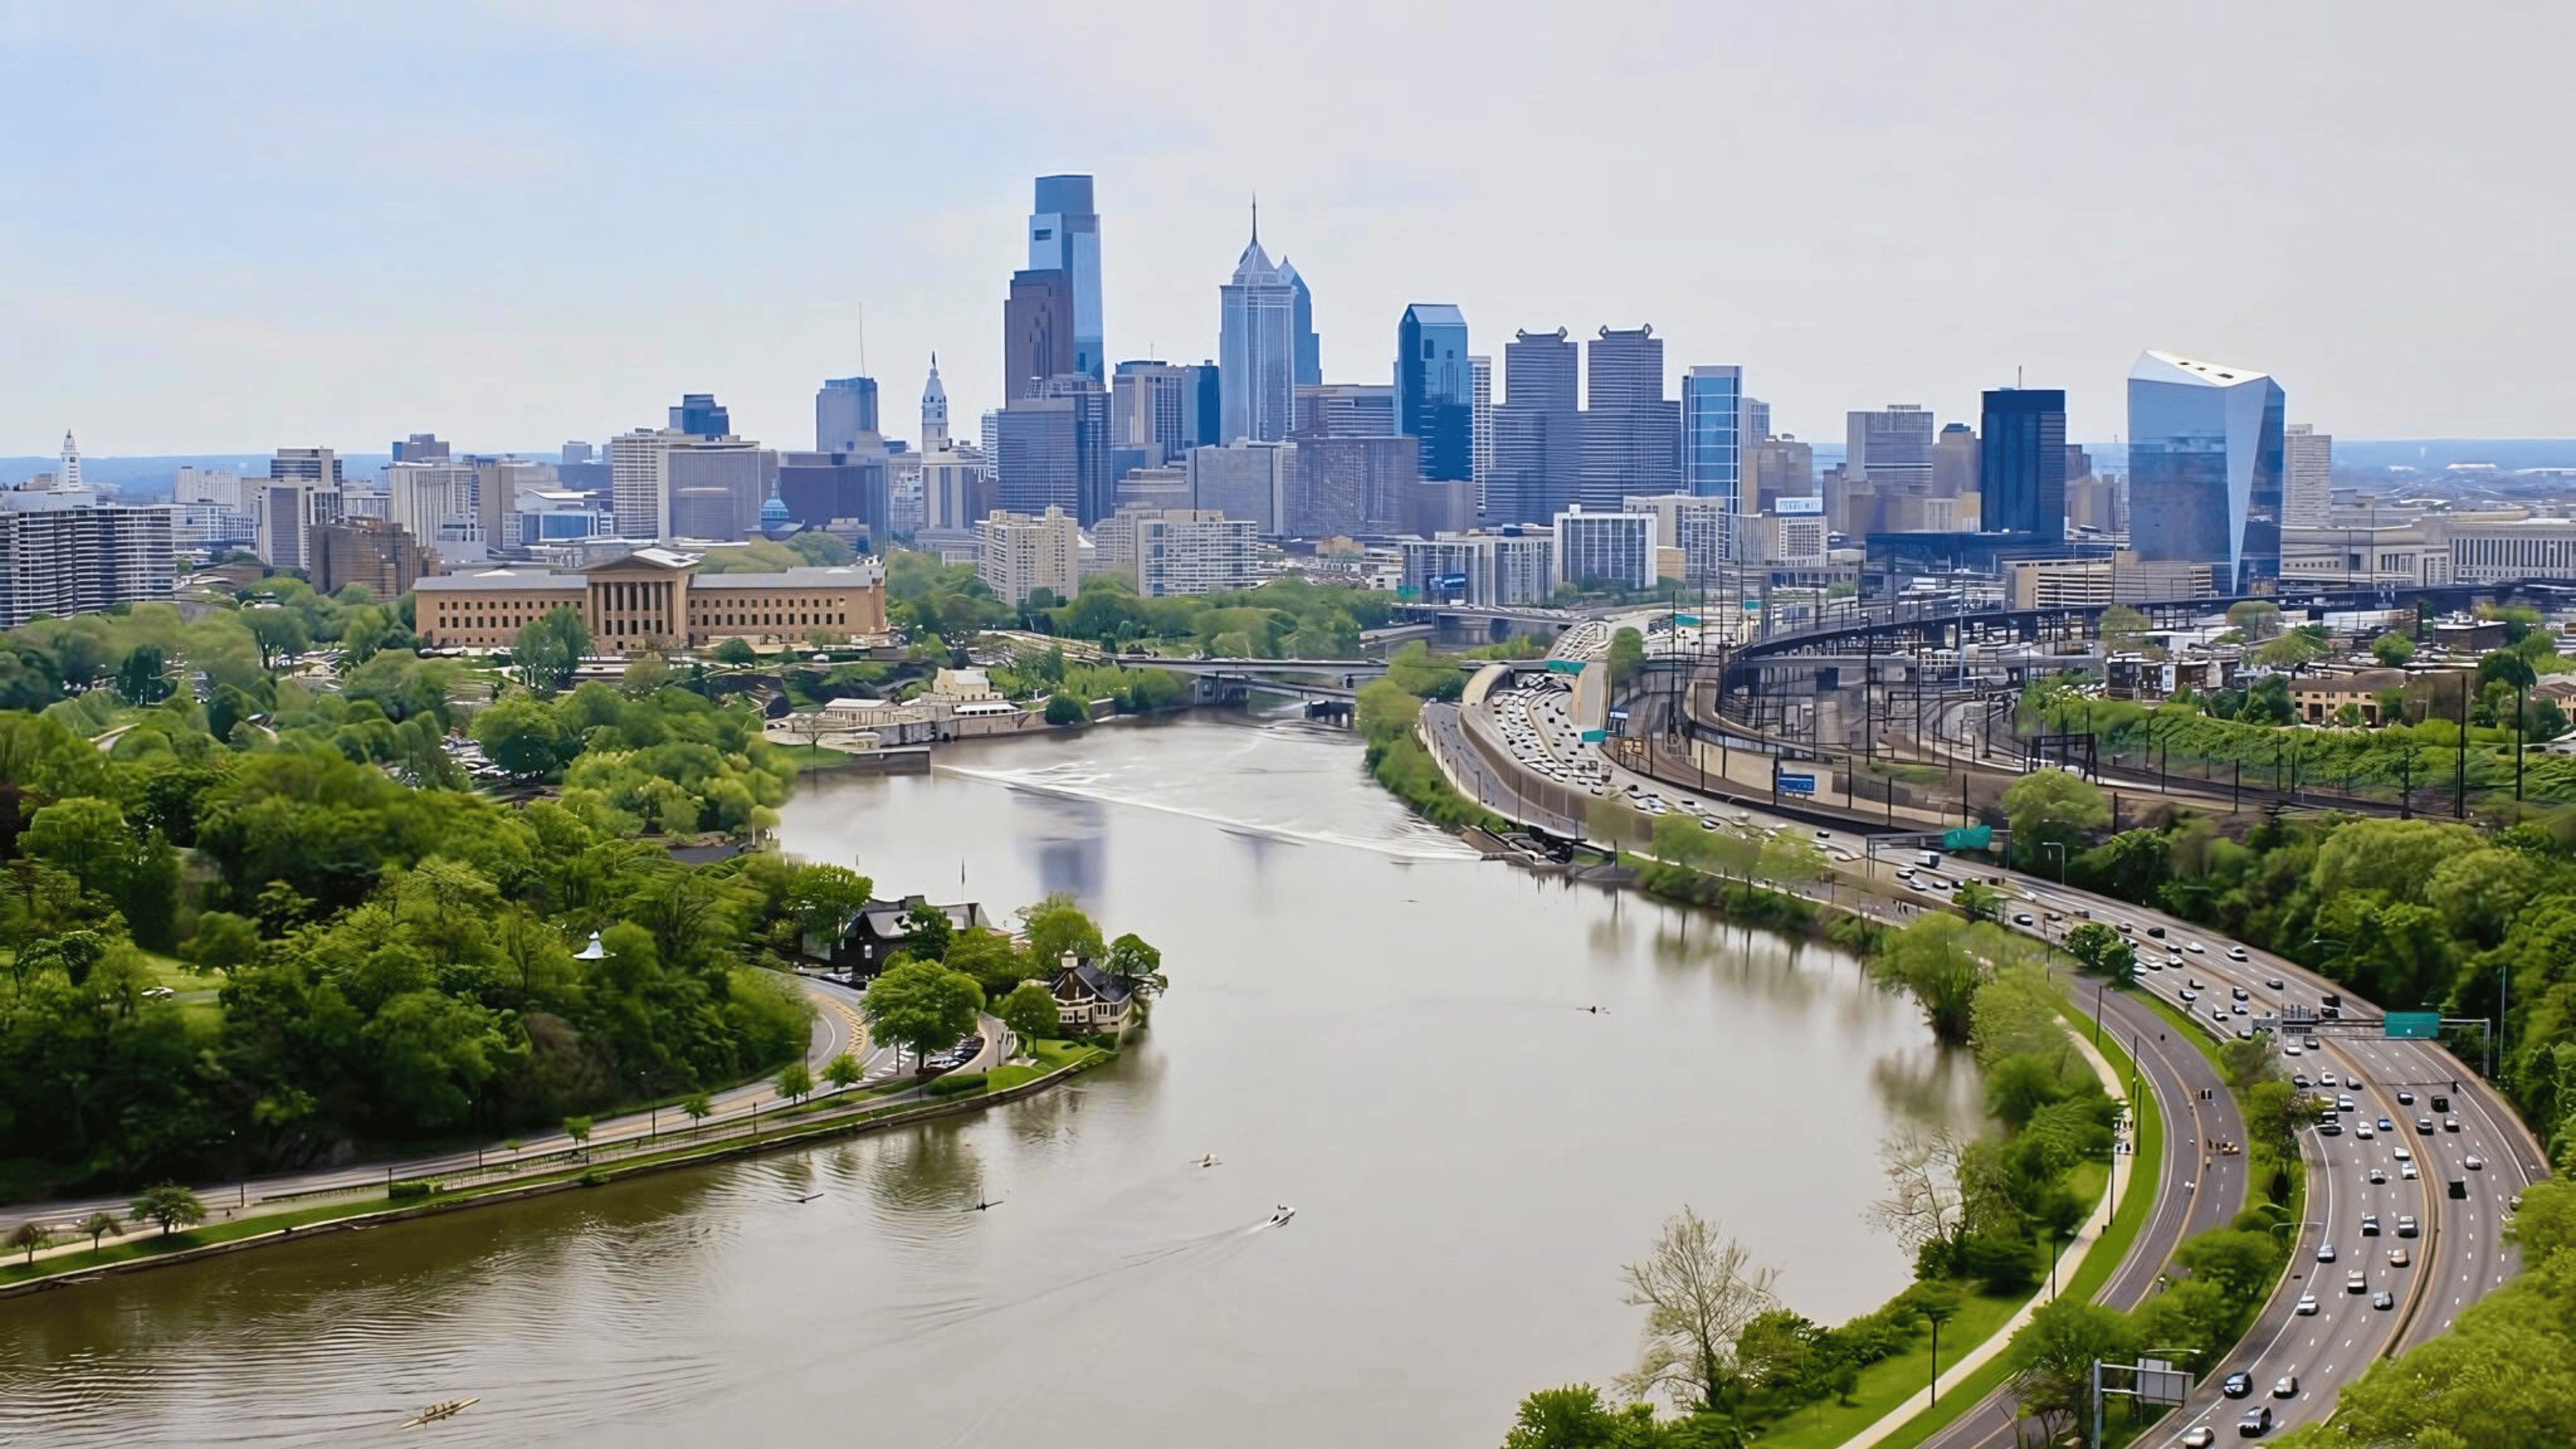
x: 435, y: 1412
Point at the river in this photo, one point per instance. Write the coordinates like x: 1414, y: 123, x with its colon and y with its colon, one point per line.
x: 1364, y: 1021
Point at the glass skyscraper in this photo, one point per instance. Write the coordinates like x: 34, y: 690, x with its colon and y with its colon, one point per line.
x: 1435, y: 388
x: 2205, y: 468
x: 1064, y: 236
x: 1257, y: 349
x: 1310, y: 348
x: 1713, y: 419
x: 2021, y: 463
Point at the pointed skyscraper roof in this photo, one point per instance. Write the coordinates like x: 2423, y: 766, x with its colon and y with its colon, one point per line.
x: 1253, y: 268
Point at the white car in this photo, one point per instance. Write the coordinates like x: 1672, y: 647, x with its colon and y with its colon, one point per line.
x: 2307, y: 1304
x: 2235, y: 953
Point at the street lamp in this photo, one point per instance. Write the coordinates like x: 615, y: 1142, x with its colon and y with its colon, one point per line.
x: 2060, y: 847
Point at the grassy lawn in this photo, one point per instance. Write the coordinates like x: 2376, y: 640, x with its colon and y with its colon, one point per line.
x: 1888, y: 1382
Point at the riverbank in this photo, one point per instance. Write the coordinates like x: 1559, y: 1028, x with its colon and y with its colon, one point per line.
x: 818, y: 1120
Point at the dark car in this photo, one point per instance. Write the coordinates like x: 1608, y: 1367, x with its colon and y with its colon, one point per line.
x: 2256, y: 1423
x: 2237, y: 1385
x: 2405, y: 1099
x: 2383, y: 1300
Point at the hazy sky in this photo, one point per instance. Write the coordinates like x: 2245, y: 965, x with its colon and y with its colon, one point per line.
x: 236, y: 226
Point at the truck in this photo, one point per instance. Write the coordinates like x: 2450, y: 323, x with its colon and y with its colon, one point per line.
x: 1929, y: 860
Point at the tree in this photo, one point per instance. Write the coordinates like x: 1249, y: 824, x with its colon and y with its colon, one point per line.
x: 1626, y: 658
x: 1064, y: 709
x: 85, y: 838
x: 922, y: 1005
x: 363, y: 635
x: 2274, y: 1113
x: 1942, y: 959
x: 736, y: 652
x: 2192, y: 1316
x: 525, y: 736
x: 224, y: 942
x: 1924, y: 1202
x: 697, y: 1105
x: 645, y: 676
x: 549, y: 648
x: 822, y: 899
x: 2122, y: 627
x: 2255, y: 619
x: 1136, y: 966
x: 795, y: 1081
x: 99, y: 1225
x: 2393, y: 649
x: 2051, y: 1359
x: 1978, y: 902
x: 31, y: 1236
x: 2053, y: 806
x: 2292, y: 651
x: 578, y: 1129
x: 2239, y: 1264
x: 1699, y: 1289
x: 989, y: 957
x: 1057, y: 927
x: 843, y: 1072
x: 1573, y: 1418
x: 1029, y: 1011
x: 170, y: 1205
x: 2102, y: 951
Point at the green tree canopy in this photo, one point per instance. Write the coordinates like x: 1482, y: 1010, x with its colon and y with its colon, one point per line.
x: 922, y: 1006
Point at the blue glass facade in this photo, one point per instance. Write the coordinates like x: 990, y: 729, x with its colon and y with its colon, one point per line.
x: 1064, y: 236
x: 2021, y: 462
x: 2205, y: 465
x: 700, y: 415
x: 1712, y: 434
x: 1435, y: 389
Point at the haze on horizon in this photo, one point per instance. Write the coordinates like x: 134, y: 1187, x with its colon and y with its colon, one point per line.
x: 264, y: 224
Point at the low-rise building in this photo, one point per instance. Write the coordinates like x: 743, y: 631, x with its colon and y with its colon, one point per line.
x: 654, y: 600
x: 2123, y: 578
x: 1168, y: 551
x: 2320, y: 698
x: 1089, y: 1001
x: 1018, y: 554
x: 1515, y: 564
x: 1616, y: 549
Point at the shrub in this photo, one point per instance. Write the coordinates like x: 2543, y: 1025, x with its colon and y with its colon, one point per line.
x: 596, y: 1177
x: 956, y: 1082
x: 410, y: 1189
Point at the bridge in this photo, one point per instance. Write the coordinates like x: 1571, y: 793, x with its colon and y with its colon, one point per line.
x: 1347, y: 670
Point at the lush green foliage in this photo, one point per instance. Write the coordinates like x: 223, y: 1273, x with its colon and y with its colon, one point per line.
x: 1388, y: 708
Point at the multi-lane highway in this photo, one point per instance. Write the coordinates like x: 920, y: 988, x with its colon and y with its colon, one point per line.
x: 2317, y: 1331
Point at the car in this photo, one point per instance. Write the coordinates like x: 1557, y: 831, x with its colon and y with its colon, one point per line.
x: 2325, y: 1079
x: 2472, y: 1164
x: 2155, y: 965
x: 2235, y: 953
x: 2307, y: 1305
x: 2023, y: 919
x: 2386, y: 1126
x: 158, y: 993
x: 2238, y: 1385
x: 2127, y: 928
x: 2245, y: 1033
x: 2405, y: 1225
x: 2255, y: 1424
x: 2405, y: 1099
x: 2450, y: 1124
x: 2238, y: 1008
x: 2218, y: 1013
x: 2330, y: 1128
x: 2383, y: 1300
x: 2237, y: 993
x: 2199, y: 1437
x: 2325, y: 1252
x: 2397, y: 1258
x: 2424, y: 1125
x: 2401, y: 1154
x: 2274, y: 982
x: 2343, y: 1103
x: 2370, y: 1225
x: 2301, y: 1081
x: 2406, y: 1170
x: 2286, y: 1387
x: 2156, y: 931
x: 2377, y: 1176
x: 2192, y: 981
x: 2362, y: 1131
x: 2291, y: 1049
x: 2187, y: 994
x: 2353, y: 1283
x: 2193, y: 947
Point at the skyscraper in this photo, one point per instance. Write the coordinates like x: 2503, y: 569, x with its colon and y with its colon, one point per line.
x: 1257, y: 347
x: 1538, y: 443
x: 1154, y: 407
x: 422, y: 448
x: 1891, y: 448
x: 701, y: 416
x: 844, y: 408
x: 2307, y: 484
x: 1713, y: 442
x: 934, y: 411
x: 1347, y: 410
x: 70, y: 475
x: 1480, y: 426
x: 2205, y: 462
x: 1310, y: 348
x: 1037, y: 331
x: 1053, y: 450
x: 1435, y: 388
x: 2021, y: 463
x: 303, y: 492
x: 1064, y: 236
x: 1631, y: 431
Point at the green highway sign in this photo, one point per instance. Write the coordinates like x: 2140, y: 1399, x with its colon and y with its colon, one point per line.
x: 1565, y: 666
x: 1594, y: 737
x: 1968, y: 837
x: 1686, y: 620
x: 2414, y: 1026
x: 1753, y: 606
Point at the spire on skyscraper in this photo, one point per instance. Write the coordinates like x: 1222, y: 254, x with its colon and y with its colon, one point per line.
x: 70, y: 474
x: 934, y: 410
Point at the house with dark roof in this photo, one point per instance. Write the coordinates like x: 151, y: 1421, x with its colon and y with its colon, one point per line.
x: 877, y: 930
x: 1089, y: 1001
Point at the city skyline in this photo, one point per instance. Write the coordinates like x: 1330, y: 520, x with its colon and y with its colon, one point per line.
x: 151, y: 298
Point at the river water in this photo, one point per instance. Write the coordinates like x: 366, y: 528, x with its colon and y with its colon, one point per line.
x: 1364, y: 1021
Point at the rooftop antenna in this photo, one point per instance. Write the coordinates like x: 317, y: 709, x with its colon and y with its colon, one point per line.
x: 2016, y: 377
x: 1256, y: 218
x: 863, y: 340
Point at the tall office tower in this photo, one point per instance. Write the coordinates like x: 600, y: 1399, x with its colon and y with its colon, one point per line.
x: 1631, y: 431
x: 1699, y: 527
x: 1782, y: 468
x: 1954, y: 461
x: 1352, y: 486
x: 575, y: 453
x: 1435, y: 388
x: 1064, y: 236
x: 303, y: 491
x: 1480, y: 423
x: 700, y: 416
x: 1713, y: 439
x: 1757, y: 421
x: 435, y: 502
x: 2021, y: 463
x: 498, y: 482
x: 1053, y: 451
x: 956, y: 489
x: 845, y: 409
x: 819, y: 489
x: 369, y: 552
x: 219, y: 486
x: 71, y: 474
x: 1154, y: 408
x: 1310, y: 348
x: 1037, y: 332
x: 934, y: 411
x: 66, y: 561
x: 1890, y: 449
x: 1347, y: 410
x: 716, y: 487
x: 1245, y: 480
x: 422, y: 448
x: 2205, y: 449
x: 1209, y: 381
x: 2307, y: 481
x: 1538, y: 438
x: 640, y: 484
x: 1614, y: 547
x: 1257, y: 348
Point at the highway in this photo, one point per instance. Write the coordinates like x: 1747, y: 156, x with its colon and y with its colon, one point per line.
x: 2457, y: 1256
